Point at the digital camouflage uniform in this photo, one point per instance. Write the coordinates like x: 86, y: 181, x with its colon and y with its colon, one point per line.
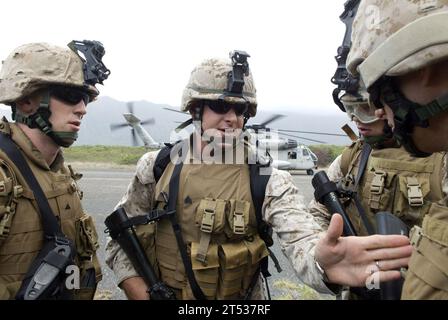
x: 231, y: 257
x: 22, y: 235
x: 392, y: 39
x: 394, y: 196
x: 29, y: 68
x: 283, y: 208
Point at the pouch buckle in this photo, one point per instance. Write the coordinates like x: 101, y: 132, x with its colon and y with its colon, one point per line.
x: 415, y: 195
x: 208, y: 219
x: 377, y: 185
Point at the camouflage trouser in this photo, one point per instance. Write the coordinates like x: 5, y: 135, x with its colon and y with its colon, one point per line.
x: 259, y: 292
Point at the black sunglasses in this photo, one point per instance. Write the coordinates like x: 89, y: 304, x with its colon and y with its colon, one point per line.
x: 70, y: 95
x: 221, y: 107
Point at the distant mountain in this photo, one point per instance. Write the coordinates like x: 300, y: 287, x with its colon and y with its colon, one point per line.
x: 106, y: 111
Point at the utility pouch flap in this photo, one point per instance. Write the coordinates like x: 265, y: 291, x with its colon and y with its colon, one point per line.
x: 87, y: 238
x: 429, y: 272
x: 210, y: 215
x: 257, y: 249
x: 233, y: 255
x: 212, y: 257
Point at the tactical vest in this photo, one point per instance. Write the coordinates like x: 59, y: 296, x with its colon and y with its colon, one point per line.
x: 427, y: 276
x: 217, y: 217
x: 21, y: 233
x: 393, y: 181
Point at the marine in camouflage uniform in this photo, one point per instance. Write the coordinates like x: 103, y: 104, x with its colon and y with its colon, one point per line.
x: 390, y: 162
x: 400, y: 52
x: 40, y: 74
x: 395, y: 168
x: 231, y: 259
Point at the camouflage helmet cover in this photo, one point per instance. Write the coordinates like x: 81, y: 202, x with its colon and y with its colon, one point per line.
x: 397, y: 37
x: 208, y: 81
x: 33, y: 66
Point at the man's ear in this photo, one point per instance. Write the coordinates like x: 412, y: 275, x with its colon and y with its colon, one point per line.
x: 29, y: 104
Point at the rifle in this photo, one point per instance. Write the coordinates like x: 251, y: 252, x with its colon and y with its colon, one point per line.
x: 121, y: 229
x: 327, y: 193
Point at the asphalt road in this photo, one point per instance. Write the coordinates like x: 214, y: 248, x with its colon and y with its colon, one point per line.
x: 102, y: 190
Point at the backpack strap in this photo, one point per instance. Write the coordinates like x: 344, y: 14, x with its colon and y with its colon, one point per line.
x: 49, y: 223
x: 57, y: 251
x: 172, y: 200
x: 162, y: 160
x: 160, y: 164
x: 365, y: 153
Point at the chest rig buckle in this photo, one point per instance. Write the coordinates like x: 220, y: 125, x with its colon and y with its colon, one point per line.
x: 377, y: 188
x: 415, y: 195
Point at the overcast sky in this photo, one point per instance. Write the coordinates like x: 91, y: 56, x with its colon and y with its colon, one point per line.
x: 152, y: 46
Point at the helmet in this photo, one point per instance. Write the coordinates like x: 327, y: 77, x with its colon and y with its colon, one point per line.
x: 36, y: 65
x: 208, y: 81
x: 358, y: 106
x: 394, y: 38
x: 39, y: 66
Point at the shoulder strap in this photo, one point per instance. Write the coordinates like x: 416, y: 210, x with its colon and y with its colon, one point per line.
x: 258, y: 185
x: 162, y: 160
x: 50, y: 224
x: 172, y: 199
x: 365, y: 153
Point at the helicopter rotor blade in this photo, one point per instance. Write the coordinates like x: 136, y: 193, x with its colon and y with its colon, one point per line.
x: 118, y: 126
x: 148, y: 121
x: 290, y: 135
x: 272, y: 119
x: 183, y: 125
x: 313, y: 132
x: 174, y: 110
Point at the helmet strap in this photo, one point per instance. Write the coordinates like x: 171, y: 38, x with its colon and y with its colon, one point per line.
x: 198, y: 111
x: 382, y: 141
x: 41, y: 120
x: 408, y: 114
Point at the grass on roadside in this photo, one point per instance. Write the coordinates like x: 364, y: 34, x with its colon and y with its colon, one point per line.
x: 119, y: 155
x: 122, y: 155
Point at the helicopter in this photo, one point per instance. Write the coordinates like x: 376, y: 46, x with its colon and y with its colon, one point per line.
x: 286, y: 153
x: 137, y: 129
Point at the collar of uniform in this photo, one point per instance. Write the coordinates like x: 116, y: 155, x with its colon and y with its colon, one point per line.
x: 25, y: 144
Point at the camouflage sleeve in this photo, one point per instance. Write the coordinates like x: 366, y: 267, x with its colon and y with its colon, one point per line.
x: 320, y: 213
x: 445, y: 175
x: 297, y: 231
x: 136, y: 201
